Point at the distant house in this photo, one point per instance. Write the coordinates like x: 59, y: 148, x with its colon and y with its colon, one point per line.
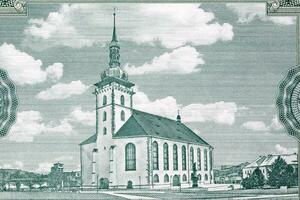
x: 264, y: 163
x: 229, y: 174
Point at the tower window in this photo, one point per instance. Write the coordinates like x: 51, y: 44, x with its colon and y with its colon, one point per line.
x: 104, y: 131
x: 122, y: 115
x: 130, y: 157
x: 104, y: 100
x: 122, y: 99
x: 104, y: 116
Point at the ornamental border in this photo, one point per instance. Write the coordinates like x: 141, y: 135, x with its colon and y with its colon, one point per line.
x: 12, y: 116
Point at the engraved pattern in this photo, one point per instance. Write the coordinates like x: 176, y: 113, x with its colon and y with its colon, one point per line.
x: 288, y: 102
x: 7, y: 3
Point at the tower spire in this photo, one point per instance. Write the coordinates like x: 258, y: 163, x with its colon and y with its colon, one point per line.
x: 114, y: 36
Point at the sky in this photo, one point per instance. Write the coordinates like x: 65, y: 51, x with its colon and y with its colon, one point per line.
x: 219, y: 64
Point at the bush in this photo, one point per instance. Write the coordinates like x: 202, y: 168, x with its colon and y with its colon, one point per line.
x: 104, y: 183
x: 282, y: 174
x: 255, y: 180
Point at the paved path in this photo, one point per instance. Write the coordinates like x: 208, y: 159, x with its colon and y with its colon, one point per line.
x: 127, y: 196
x: 282, y: 196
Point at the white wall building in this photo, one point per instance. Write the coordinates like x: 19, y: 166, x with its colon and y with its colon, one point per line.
x: 264, y: 163
x: 131, y: 145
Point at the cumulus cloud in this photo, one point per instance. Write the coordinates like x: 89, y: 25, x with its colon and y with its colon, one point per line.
x: 84, y: 117
x: 44, y: 167
x: 274, y: 126
x: 248, y: 12
x: 30, y: 123
x: 183, y: 60
x: 255, y: 126
x: 283, y: 150
x: 219, y: 112
x: 63, y: 90
x: 80, y: 25
x: 63, y: 158
x: 25, y: 69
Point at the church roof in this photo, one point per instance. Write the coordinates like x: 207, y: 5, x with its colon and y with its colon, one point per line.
x: 107, y: 80
x: 91, y: 139
x: 146, y: 124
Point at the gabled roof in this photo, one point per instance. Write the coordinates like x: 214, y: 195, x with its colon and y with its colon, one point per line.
x: 290, y: 159
x: 91, y: 139
x: 146, y: 124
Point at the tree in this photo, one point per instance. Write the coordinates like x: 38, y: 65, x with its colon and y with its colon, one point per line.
x: 194, y: 176
x: 282, y: 174
x: 255, y: 180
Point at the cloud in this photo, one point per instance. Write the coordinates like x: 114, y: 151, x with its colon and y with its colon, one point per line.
x: 44, y: 167
x: 248, y: 12
x: 16, y: 165
x: 183, y: 60
x: 77, y: 115
x: 24, y: 69
x: 55, y: 71
x: 255, y: 126
x: 274, y: 126
x: 30, y: 123
x: 62, y: 90
x: 83, y: 25
x: 219, y: 112
x: 283, y: 150
x: 63, y: 158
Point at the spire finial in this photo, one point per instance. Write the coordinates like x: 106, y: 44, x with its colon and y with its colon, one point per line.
x: 178, y: 116
x: 114, y: 36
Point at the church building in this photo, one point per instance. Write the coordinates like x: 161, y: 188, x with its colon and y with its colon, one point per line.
x: 132, y: 147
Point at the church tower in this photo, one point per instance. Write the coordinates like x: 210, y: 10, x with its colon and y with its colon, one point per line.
x: 113, y: 102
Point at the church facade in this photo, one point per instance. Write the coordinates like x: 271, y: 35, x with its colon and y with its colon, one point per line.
x: 135, y: 147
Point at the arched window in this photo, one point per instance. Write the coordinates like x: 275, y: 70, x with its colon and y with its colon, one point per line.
x: 155, y: 155
x: 122, y: 100
x: 122, y: 115
x: 210, y: 159
x: 104, y: 131
x: 205, y: 160
x: 183, y: 151
x: 166, y: 156
x: 130, y: 161
x: 156, y: 178
x: 104, y: 100
x: 206, y: 177
x: 198, y: 159
x: 104, y: 116
x: 166, y: 178
x: 199, y: 177
x: 175, y: 157
x: 184, y: 177
x: 192, y: 157
x: 176, y: 180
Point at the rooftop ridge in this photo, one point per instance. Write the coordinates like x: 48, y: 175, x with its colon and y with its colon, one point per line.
x: 155, y: 115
